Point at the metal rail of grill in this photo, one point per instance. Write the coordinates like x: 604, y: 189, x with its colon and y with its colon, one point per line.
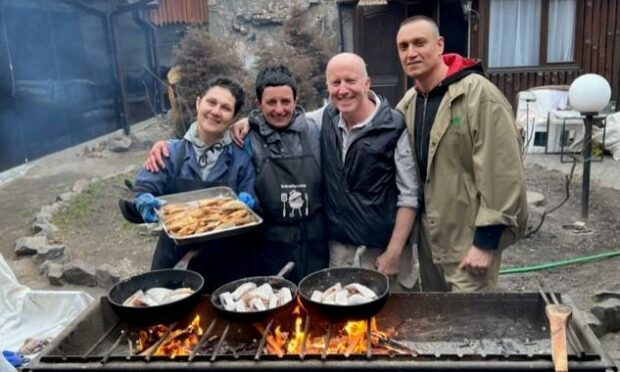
x: 104, y: 341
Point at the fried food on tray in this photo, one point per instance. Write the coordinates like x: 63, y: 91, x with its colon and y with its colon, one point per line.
x: 232, y: 206
x: 185, y: 219
x: 213, y: 202
x: 174, y: 209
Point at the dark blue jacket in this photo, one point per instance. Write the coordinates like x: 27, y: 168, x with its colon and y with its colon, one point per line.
x: 233, y: 168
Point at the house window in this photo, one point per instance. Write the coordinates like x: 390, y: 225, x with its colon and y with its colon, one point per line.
x: 561, y: 33
x: 516, y: 28
x: 514, y: 33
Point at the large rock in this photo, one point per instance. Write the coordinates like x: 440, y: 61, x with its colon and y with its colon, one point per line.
x: 43, y: 217
x: 602, y: 295
x: 120, y: 144
x: 50, y: 252
x: 107, y: 276
x: 608, y: 312
x: 54, y: 274
x: 80, y: 186
x: 52, y: 270
x: 52, y: 209
x: 29, y: 245
x: 594, y: 323
x: 66, y: 196
x: 80, y: 273
x: 45, y: 229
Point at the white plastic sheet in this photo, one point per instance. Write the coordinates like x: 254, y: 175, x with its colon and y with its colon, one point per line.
x: 546, y: 108
x: 612, y: 135
x: 27, y: 313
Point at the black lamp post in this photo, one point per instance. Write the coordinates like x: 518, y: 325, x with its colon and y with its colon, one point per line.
x: 588, y: 94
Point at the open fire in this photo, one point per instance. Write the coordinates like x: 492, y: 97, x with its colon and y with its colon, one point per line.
x: 344, y: 338
x: 168, y: 342
x: 349, y: 339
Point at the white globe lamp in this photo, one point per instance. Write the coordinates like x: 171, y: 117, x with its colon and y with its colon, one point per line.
x: 588, y: 94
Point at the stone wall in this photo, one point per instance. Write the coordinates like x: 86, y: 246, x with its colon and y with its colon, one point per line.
x: 249, y: 22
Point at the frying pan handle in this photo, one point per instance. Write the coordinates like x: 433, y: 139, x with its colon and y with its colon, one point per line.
x: 286, y: 269
x: 184, y: 262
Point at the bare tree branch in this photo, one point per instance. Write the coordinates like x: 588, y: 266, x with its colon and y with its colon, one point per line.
x: 568, y: 179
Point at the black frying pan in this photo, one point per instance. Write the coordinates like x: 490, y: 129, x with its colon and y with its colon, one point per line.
x: 166, y: 278
x: 276, y: 281
x: 323, y: 279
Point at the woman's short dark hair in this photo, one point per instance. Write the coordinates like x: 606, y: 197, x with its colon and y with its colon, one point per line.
x: 274, y: 76
x: 227, y: 83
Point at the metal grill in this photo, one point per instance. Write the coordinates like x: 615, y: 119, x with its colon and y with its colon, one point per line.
x: 500, y: 331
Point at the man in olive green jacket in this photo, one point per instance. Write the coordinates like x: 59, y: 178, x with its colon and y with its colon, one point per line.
x: 468, y: 153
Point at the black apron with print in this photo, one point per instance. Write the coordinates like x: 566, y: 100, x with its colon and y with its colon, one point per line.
x: 219, y: 261
x: 290, y: 192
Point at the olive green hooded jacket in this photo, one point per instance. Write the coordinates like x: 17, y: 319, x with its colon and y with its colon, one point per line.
x: 475, y: 169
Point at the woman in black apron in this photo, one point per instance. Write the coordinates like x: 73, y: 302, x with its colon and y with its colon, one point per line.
x: 285, y: 150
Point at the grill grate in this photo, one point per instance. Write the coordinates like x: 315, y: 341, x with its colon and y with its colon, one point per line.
x: 436, y: 331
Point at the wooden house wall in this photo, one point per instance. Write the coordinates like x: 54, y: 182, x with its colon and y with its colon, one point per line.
x: 597, y: 50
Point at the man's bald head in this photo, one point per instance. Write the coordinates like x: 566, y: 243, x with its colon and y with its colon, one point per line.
x: 348, y: 86
x: 350, y: 59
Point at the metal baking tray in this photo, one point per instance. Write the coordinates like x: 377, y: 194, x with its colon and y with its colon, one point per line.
x: 192, y: 197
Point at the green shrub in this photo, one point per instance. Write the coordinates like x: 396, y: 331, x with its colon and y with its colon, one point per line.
x: 306, y: 54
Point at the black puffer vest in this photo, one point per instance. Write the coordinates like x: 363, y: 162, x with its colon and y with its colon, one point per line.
x: 361, y: 192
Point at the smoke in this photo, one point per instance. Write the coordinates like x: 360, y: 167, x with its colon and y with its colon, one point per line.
x: 61, y: 89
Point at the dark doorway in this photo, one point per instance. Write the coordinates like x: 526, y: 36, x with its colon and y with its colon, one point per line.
x: 375, y: 40
x: 375, y: 29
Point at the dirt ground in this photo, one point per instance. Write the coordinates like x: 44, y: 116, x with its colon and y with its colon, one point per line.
x: 93, y: 230
x: 556, y: 241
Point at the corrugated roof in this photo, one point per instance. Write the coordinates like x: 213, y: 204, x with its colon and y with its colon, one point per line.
x: 180, y: 11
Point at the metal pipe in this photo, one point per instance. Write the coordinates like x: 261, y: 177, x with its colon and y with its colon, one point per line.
x: 114, y: 346
x: 129, y: 8
x: 105, y: 335
x: 263, y: 339
x: 220, y: 343
x: 302, y: 354
x: 341, y: 28
x: 84, y: 8
x: 368, y: 339
x: 151, y: 350
x: 153, y: 54
x: 328, y: 336
x: 202, y: 339
x: 120, y: 101
x: 587, y: 152
x: 8, y: 51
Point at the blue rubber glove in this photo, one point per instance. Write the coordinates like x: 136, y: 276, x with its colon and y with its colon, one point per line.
x: 146, y: 204
x: 246, y: 199
x: 16, y: 359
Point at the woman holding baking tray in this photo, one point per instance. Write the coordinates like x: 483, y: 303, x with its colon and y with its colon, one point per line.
x: 285, y: 151
x: 204, y: 158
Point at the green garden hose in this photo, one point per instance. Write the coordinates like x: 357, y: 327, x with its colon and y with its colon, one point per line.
x: 553, y: 264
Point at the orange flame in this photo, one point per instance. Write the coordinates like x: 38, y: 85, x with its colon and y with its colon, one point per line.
x: 178, y: 342
x: 350, y: 339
